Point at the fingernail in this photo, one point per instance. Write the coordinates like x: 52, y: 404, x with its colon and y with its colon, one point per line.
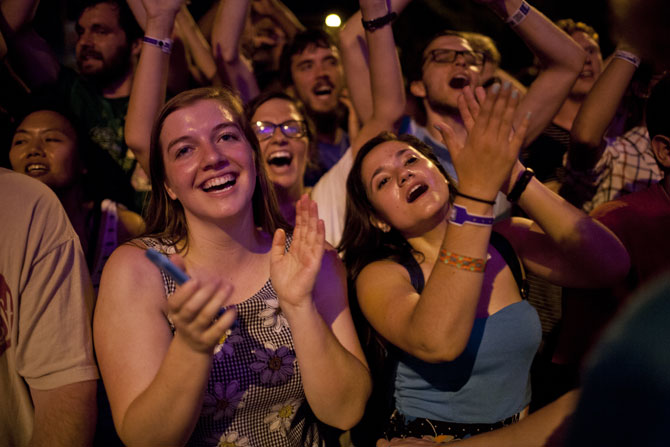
x: 506, y: 85
x: 515, y: 94
x: 528, y: 115
x: 495, y: 88
x: 437, y: 126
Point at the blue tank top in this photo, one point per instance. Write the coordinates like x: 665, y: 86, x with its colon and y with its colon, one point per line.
x: 488, y: 382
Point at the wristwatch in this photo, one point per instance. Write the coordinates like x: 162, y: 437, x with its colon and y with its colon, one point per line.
x: 459, y: 215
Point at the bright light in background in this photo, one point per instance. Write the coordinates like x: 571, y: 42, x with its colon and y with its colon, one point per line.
x: 333, y: 20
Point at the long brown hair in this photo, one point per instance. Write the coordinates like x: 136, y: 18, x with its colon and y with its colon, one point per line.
x: 165, y: 218
x: 362, y: 241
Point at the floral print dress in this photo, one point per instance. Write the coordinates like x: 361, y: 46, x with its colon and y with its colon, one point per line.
x: 254, y: 396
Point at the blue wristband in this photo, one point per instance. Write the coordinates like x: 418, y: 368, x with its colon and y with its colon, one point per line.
x: 165, y: 45
x: 459, y: 215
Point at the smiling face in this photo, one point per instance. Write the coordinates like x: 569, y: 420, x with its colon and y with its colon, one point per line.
x: 318, y: 78
x: 102, y: 47
x: 442, y: 82
x: 406, y: 189
x: 209, y: 163
x: 285, y: 158
x: 593, y: 65
x: 45, y: 147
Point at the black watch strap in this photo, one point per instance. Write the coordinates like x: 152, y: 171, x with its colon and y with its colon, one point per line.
x: 520, y: 185
x: 379, y: 22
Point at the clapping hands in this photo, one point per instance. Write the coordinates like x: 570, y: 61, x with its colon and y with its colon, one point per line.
x: 293, y: 272
x: 484, y: 162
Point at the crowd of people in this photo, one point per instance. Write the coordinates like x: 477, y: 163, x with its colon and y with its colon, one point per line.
x: 374, y: 250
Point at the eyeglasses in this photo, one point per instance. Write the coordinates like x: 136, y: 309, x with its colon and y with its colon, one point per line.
x: 291, y: 129
x: 446, y: 56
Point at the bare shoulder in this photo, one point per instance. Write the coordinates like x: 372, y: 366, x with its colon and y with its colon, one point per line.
x: 129, y: 279
x: 382, y: 272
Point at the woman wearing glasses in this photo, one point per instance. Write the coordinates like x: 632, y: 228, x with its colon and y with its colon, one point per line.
x: 286, y: 137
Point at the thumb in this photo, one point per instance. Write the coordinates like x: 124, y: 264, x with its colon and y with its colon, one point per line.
x: 449, y: 138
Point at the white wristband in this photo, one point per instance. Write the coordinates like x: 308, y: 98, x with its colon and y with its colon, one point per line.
x: 628, y: 57
x: 519, y: 15
x: 164, y: 44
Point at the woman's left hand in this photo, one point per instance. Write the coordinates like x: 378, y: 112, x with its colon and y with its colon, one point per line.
x: 293, y: 272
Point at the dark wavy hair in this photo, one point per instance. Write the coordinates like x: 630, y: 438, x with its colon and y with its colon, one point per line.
x: 126, y: 18
x: 301, y: 41
x: 363, y: 242
x: 312, y: 150
x: 165, y: 218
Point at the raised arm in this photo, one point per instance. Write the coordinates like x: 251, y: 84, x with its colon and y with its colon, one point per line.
x: 201, y: 62
x: 312, y: 293
x: 150, y: 82
x: 279, y: 12
x: 356, y: 58
x: 598, y: 110
x: 561, y: 57
x: 561, y: 243
x: 385, y: 77
x: 155, y: 380
x: 231, y: 17
x: 436, y: 324
x: 30, y: 54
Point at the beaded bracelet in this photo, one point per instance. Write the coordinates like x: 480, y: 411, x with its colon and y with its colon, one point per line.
x: 476, y: 265
x: 519, y: 15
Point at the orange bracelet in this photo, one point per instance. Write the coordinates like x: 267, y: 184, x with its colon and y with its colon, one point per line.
x: 477, y: 265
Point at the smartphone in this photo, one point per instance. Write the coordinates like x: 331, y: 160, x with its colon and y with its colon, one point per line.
x: 177, y: 274
x: 164, y: 263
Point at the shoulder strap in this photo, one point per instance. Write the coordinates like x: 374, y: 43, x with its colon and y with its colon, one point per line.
x: 415, y: 273
x: 512, y: 260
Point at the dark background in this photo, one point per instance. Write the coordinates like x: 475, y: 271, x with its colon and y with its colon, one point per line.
x: 421, y: 20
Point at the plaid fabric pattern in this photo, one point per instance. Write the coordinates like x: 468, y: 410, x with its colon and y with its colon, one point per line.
x: 254, y: 396
x: 627, y: 165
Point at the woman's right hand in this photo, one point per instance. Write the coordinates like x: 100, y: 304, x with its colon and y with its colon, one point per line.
x: 492, y: 147
x: 194, y: 308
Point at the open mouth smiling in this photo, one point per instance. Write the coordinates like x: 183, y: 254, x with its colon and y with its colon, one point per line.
x: 221, y: 183
x: 416, y: 191
x: 323, y: 88
x: 36, y: 169
x: 280, y: 158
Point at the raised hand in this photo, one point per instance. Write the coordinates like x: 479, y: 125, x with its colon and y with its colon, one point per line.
x: 156, y: 8
x: 492, y: 147
x: 293, y: 272
x: 194, y: 308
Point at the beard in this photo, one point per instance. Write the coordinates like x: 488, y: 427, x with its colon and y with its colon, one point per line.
x: 112, y: 70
